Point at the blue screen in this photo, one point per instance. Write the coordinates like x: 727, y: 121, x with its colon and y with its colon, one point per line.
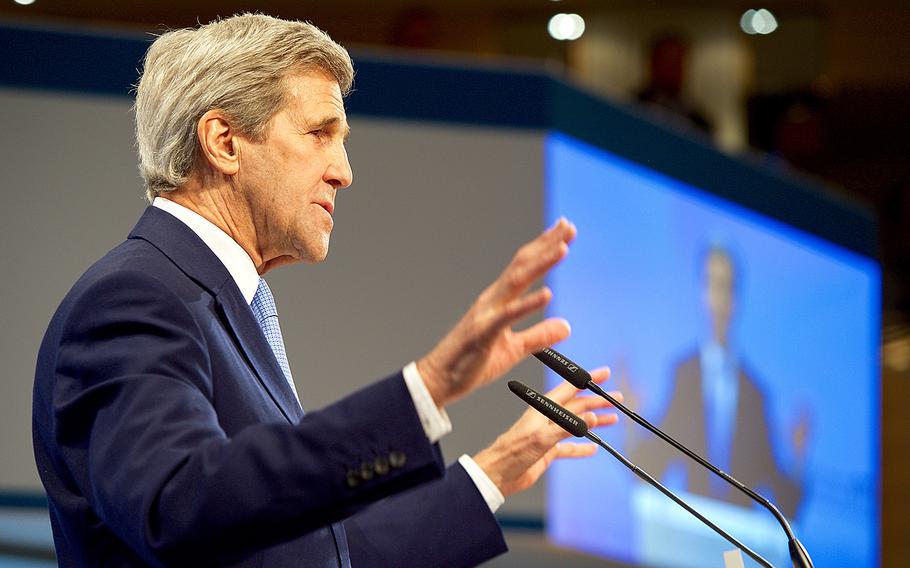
x: 751, y: 341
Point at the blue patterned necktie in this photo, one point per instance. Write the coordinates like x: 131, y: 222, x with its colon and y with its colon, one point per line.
x: 266, y: 313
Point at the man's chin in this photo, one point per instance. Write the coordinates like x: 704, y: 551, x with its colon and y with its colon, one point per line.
x: 316, y: 259
x: 312, y: 254
x: 317, y: 251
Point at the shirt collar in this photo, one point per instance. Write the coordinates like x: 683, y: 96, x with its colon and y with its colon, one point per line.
x: 719, y: 362
x: 232, y: 256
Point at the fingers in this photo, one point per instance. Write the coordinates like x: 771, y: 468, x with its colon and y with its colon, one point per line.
x: 616, y: 395
x: 568, y: 396
x: 543, y: 334
x: 534, y: 259
x: 596, y: 420
x: 523, y: 306
x: 600, y: 374
x: 604, y: 420
x: 483, y: 345
x: 563, y: 393
x: 554, y: 433
x: 581, y: 404
x: 574, y: 450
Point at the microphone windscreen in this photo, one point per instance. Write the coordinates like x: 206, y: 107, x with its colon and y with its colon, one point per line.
x: 563, y: 418
x: 564, y: 367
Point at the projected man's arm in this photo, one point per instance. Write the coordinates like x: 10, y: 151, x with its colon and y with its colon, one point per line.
x: 754, y: 458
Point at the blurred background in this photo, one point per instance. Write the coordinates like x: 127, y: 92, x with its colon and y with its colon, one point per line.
x: 816, y: 90
x: 821, y: 91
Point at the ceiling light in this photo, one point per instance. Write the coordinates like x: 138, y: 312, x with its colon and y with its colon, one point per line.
x: 566, y: 26
x: 760, y: 21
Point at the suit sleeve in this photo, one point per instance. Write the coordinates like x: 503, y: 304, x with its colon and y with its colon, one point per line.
x: 442, y: 523
x: 138, y: 434
x: 763, y: 468
x: 653, y: 454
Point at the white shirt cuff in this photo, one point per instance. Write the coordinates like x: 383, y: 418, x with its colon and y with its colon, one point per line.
x: 434, y: 420
x: 491, y: 494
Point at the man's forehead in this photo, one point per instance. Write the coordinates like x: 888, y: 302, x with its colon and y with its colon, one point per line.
x: 314, y: 98
x: 315, y: 85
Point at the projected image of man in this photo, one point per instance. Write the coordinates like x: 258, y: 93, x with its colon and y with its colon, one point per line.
x: 719, y: 408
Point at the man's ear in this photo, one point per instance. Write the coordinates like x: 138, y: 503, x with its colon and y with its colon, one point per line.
x: 219, y: 142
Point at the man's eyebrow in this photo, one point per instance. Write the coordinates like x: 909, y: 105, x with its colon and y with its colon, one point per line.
x: 331, y: 121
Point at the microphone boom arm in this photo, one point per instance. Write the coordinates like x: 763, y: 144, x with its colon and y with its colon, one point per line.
x: 676, y: 499
x: 581, y: 379
x: 574, y: 425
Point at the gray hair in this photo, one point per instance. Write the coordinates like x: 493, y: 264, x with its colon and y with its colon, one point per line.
x: 238, y: 65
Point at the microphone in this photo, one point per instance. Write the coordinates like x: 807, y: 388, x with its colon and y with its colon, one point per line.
x: 565, y: 419
x: 581, y: 379
x: 574, y: 425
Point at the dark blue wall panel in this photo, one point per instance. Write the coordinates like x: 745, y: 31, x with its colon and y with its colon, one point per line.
x: 78, y: 61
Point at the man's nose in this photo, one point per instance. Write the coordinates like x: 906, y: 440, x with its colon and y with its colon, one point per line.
x: 339, y: 173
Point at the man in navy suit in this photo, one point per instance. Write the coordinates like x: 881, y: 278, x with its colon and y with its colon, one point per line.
x: 167, y: 427
x: 720, y: 410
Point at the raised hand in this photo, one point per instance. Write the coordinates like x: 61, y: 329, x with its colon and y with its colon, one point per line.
x: 517, y: 459
x: 483, y: 346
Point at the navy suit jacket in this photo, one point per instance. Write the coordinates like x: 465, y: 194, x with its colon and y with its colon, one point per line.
x: 165, y: 434
x: 751, y: 456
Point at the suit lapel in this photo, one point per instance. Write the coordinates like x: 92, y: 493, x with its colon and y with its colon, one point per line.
x: 185, y: 249
x: 259, y: 353
x: 699, y: 481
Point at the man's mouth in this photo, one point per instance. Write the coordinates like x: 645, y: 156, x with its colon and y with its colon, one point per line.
x: 328, y: 206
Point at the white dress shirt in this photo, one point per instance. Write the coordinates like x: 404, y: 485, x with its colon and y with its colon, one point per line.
x: 434, y: 420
